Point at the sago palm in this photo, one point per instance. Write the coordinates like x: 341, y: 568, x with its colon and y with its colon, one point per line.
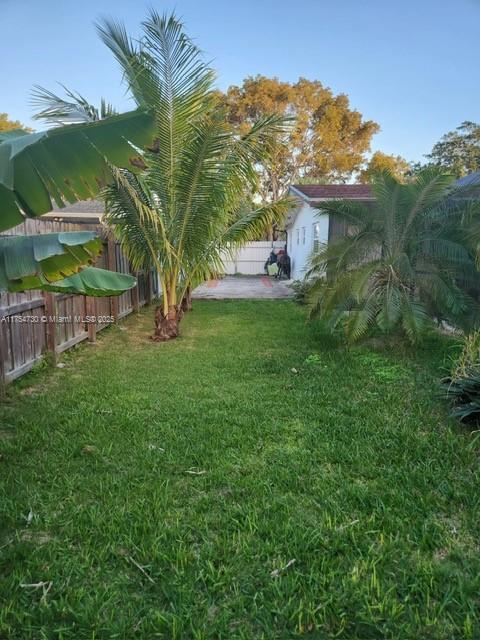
x: 406, y: 258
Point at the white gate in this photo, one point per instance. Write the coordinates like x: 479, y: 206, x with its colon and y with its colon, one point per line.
x: 250, y: 260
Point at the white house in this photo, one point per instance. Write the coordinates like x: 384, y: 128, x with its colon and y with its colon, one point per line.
x: 306, y: 228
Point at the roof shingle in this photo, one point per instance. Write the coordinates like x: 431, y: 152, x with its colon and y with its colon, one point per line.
x: 322, y: 191
x: 83, y: 206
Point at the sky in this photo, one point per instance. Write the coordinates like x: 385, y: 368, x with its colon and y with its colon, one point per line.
x: 412, y: 66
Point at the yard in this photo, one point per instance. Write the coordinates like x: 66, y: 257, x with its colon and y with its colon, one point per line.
x: 253, y: 479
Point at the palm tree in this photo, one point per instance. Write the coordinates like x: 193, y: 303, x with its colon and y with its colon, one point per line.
x: 181, y: 214
x: 406, y: 258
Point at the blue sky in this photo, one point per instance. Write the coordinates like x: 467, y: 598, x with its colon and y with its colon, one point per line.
x: 412, y: 66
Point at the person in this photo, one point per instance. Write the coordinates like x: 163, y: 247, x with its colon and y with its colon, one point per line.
x: 284, y: 264
x: 272, y: 259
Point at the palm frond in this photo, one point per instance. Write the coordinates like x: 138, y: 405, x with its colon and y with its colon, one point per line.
x: 60, y: 111
x: 129, y: 56
x: 415, y: 319
x: 359, y: 320
x: 253, y: 224
x: 407, y: 257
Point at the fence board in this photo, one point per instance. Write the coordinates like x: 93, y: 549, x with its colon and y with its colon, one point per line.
x: 251, y: 258
x: 24, y: 343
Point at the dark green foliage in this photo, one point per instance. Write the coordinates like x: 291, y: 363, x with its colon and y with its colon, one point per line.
x: 301, y: 288
x: 464, y: 395
x: 407, y: 259
x: 462, y: 387
x: 459, y: 151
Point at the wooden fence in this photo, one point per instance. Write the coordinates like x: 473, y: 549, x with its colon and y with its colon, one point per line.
x: 35, y: 323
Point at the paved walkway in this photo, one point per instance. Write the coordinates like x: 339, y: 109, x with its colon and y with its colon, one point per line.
x: 261, y: 287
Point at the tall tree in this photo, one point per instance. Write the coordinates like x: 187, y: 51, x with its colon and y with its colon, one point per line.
x: 381, y: 162
x: 459, y: 150
x: 327, y: 140
x: 186, y: 210
x: 182, y: 213
x: 10, y: 125
x: 408, y: 257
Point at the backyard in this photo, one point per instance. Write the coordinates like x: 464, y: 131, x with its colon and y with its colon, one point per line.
x: 252, y: 479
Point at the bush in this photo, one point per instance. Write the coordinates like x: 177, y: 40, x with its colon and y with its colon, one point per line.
x: 301, y: 288
x: 462, y: 387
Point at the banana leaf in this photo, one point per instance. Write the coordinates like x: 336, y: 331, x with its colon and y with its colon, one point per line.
x: 66, y: 164
x: 93, y: 282
x: 30, y: 262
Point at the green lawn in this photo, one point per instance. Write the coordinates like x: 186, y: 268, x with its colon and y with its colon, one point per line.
x: 250, y: 480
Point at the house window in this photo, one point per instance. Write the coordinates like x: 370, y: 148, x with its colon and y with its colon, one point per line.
x: 298, y: 236
x: 304, y: 234
x: 316, y: 236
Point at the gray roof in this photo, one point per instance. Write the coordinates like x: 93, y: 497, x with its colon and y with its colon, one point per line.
x: 84, y: 206
x: 88, y: 211
x: 470, y: 180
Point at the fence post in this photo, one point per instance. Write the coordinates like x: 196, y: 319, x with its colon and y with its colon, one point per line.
x: 3, y: 384
x: 90, y: 311
x: 51, y: 313
x: 112, y: 265
x: 148, y: 287
x: 135, y: 294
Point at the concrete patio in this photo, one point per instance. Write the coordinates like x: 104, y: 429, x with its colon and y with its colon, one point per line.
x: 235, y: 287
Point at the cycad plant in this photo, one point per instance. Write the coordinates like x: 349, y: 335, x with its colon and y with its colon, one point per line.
x: 407, y: 258
x: 181, y: 214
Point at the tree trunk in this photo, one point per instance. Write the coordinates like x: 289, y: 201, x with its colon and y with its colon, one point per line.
x: 187, y: 300
x: 166, y: 325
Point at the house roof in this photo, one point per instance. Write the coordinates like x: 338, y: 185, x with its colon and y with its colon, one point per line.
x: 318, y: 192
x: 473, y: 179
x: 330, y: 191
x: 85, y: 210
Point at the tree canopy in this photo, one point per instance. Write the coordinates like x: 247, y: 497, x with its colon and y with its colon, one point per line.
x: 327, y: 140
x: 10, y: 125
x: 380, y: 162
x: 459, y: 150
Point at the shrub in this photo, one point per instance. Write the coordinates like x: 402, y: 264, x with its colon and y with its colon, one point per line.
x: 301, y: 288
x: 462, y: 387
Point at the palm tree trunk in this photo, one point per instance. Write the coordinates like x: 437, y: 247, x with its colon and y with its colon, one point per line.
x: 167, y: 318
x: 187, y: 300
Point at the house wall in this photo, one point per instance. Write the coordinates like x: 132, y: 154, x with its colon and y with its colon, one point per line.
x: 300, y: 242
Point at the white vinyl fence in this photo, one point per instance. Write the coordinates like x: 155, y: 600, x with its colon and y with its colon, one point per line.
x: 250, y: 260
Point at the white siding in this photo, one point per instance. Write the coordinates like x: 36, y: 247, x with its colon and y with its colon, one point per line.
x: 302, y: 227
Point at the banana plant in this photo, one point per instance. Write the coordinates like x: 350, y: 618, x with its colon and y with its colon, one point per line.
x: 61, y: 165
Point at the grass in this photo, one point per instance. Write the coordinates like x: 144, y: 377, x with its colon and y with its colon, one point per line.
x: 252, y: 480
